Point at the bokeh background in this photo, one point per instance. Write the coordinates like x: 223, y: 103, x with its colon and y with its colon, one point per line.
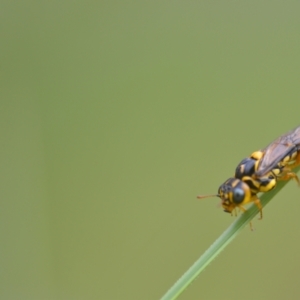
x: 114, y: 116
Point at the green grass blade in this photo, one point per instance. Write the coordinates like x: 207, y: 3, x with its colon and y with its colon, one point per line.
x: 227, y: 236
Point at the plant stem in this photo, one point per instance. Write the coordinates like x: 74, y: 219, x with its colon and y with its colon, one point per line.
x: 227, y: 236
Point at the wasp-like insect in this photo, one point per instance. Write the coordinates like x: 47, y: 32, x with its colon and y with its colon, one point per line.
x: 260, y: 173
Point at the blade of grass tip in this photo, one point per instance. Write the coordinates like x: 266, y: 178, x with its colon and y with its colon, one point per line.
x: 226, y: 237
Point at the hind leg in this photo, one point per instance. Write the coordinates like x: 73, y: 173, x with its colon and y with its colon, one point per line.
x: 287, y: 175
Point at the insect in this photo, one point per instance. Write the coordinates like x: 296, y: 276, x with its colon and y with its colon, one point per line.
x: 260, y: 172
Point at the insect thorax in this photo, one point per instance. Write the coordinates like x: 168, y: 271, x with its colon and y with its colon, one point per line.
x: 246, y: 170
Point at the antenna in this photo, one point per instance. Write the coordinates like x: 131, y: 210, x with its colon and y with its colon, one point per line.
x: 208, y: 196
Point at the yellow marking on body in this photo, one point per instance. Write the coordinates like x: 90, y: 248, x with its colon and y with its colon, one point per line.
x: 257, y: 155
x: 235, y: 182
x: 255, y: 182
x: 242, y: 168
x: 294, y: 154
x: 256, y: 165
x: 276, y: 172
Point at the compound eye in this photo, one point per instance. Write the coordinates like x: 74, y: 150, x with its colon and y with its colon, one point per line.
x: 238, y: 195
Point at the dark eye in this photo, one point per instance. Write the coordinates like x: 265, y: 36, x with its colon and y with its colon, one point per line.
x: 238, y: 195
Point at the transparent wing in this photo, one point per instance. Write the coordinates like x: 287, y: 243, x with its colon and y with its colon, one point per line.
x: 277, y: 150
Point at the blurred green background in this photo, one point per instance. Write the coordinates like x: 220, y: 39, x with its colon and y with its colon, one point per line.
x: 114, y: 116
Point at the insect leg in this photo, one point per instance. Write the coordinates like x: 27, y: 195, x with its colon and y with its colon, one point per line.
x: 258, y: 204
x: 243, y: 209
x: 288, y: 175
